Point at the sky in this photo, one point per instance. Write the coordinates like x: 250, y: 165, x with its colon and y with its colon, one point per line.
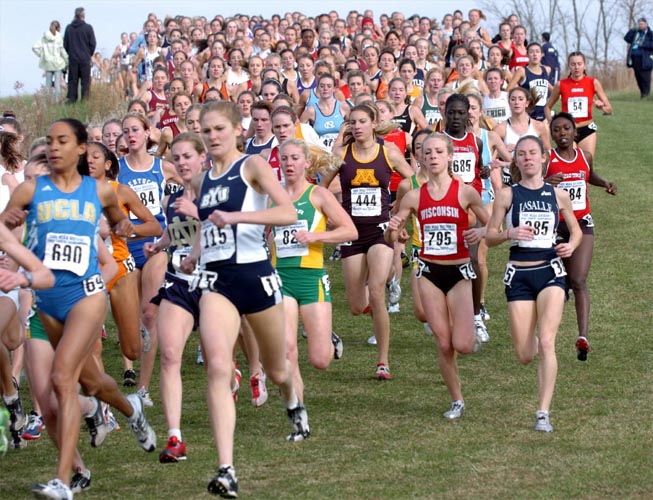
x: 23, y: 22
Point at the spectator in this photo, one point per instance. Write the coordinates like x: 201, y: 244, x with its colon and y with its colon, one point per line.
x: 550, y: 58
x: 640, y: 55
x: 53, y: 58
x: 79, y: 42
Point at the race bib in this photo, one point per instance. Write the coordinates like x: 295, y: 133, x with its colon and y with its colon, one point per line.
x: 543, y: 226
x: 67, y: 252
x: 285, y: 242
x: 463, y: 165
x: 93, y: 285
x: 217, y: 243
x: 576, y: 190
x: 328, y: 140
x: 366, y: 202
x: 130, y: 264
x: 440, y: 239
x: 177, y: 258
x: 148, y: 193
x: 578, y: 107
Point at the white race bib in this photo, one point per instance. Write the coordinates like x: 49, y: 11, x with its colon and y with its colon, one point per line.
x: 285, y: 242
x: 328, y: 140
x: 440, y: 239
x: 543, y: 225
x: 464, y: 164
x: 576, y: 190
x: 148, y: 193
x: 217, y: 243
x: 366, y: 202
x: 67, y: 252
x: 578, y: 107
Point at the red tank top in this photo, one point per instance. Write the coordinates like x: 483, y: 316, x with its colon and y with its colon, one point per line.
x: 398, y: 138
x: 575, y: 180
x: 167, y: 119
x: 577, y: 97
x: 465, y: 160
x: 273, y: 160
x: 157, y: 102
x: 442, y: 223
x: 518, y: 58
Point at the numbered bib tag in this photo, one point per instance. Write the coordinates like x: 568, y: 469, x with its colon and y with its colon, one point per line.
x: 383, y: 226
x: 558, y: 267
x: 148, y: 193
x: 285, y: 242
x: 578, y: 107
x: 509, y: 274
x: 178, y: 256
x: 506, y: 178
x: 440, y: 239
x: 67, y: 252
x: 576, y: 190
x: 467, y: 270
x: 326, y: 283
x: 328, y: 140
x: 543, y: 226
x: 217, y: 243
x: 93, y: 285
x: 366, y: 202
x: 130, y: 264
x: 589, y: 220
x: 463, y: 165
x: 203, y: 280
x: 271, y: 284
x: 421, y: 268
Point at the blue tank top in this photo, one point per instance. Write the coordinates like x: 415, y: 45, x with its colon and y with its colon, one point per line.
x: 486, y: 158
x: 149, y: 186
x: 301, y: 87
x: 540, y: 83
x: 181, y: 230
x: 537, y: 208
x: 237, y: 244
x: 63, y: 229
x: 254, y: 149
x: 327, y: 127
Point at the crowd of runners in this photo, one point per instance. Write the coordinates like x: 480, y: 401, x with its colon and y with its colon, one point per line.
x: 248, y: 144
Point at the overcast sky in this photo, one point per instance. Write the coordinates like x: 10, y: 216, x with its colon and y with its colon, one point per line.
x: 22, y: 22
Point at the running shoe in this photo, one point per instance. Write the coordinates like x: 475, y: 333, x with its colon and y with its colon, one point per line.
x: 53, y: 489
x: 299, y: 419
x: 371, y: 340
x: 338, y: 346
x: 238, y: 377
x: 110, y: 419
x: 200, y: 357
x: 17, y: 416
x: 97, y: 426
x: 16, y: 442
x: 582, y: 348
x: 129, y: 378
x: 394, y: 291
x: 174, y: 451
x: 143, y: 431
x: 34, y: 427
x: 456, y: 410
x: 304, y: 335
x: 144, y: 394
x: 405, y: 261
x: 542, y: 423
x: 382, y: 372
x: 336, y: 254
x: 427, y: 329
x: 81, y: 481
x: 481, y: 330
x: 393, y: 309
x: 259, y: 391
x: 4, y: 429
x: 146, y: 339
x: 484, y: 314
x: 225, y: 483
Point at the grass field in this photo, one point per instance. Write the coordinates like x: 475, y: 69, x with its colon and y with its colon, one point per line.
x: 388, y: 440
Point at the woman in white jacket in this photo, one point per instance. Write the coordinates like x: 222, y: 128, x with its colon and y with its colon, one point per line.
x: 53, y: 57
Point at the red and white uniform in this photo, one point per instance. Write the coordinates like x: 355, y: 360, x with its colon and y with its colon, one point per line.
x: 465, y: 160
x: 577, y: 97
x: 575, y: 180
x: 518, y: 58
x: 442, y: 223
x: 273, y: 160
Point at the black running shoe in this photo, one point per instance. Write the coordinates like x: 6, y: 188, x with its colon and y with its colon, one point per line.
x: 17, y: 416
x: 299, y: 419
x: 129, y: 378
x: 81, y: 481
x: 225, y: 483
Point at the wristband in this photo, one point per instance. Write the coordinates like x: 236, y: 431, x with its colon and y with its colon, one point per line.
x: 29, y: 277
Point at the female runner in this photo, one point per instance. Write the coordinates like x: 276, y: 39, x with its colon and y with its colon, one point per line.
x: 534, y: 77
x: 365, y: 177
x: 445, y: 271
x: 298, y: 258
x: 236, y: 278
x: 328, y: 114
x: 534, y: 276
x: 579, y: 93
x: 571, y: 169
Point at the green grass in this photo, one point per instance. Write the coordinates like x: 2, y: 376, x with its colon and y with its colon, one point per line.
x: 388, y: 440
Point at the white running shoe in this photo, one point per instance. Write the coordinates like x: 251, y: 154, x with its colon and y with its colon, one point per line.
x: 259, y: 391
x: 456, y: 410
x: 143, y: 431
x: 393, y: 309
x: 372, y: 340
x: 542, y: 423
x: 144, y: 394
x: 481, y: 330
x: 394, y: 291
x: 53, y: 489
x: 427, y: 329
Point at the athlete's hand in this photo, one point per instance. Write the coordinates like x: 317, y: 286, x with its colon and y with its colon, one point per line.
x: 221, y: 219
x: 564, y: 250
x: 555, y: 179
x: 10, y: 280
x: 186, y: 207
x: 484, y: 172
x: 474, y: 235
x: 150, y: 249
x: 611, y: 188
x: 188, y: 264
x: 124, y: 228
x: 304, y: 237
x: 521, y: 233
x: 395, y: 223
x: 403, y: 236
x: 15, y: 217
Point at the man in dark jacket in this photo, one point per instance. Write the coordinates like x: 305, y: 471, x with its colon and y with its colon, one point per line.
x: 640, y: 55
x: 79, y: 42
